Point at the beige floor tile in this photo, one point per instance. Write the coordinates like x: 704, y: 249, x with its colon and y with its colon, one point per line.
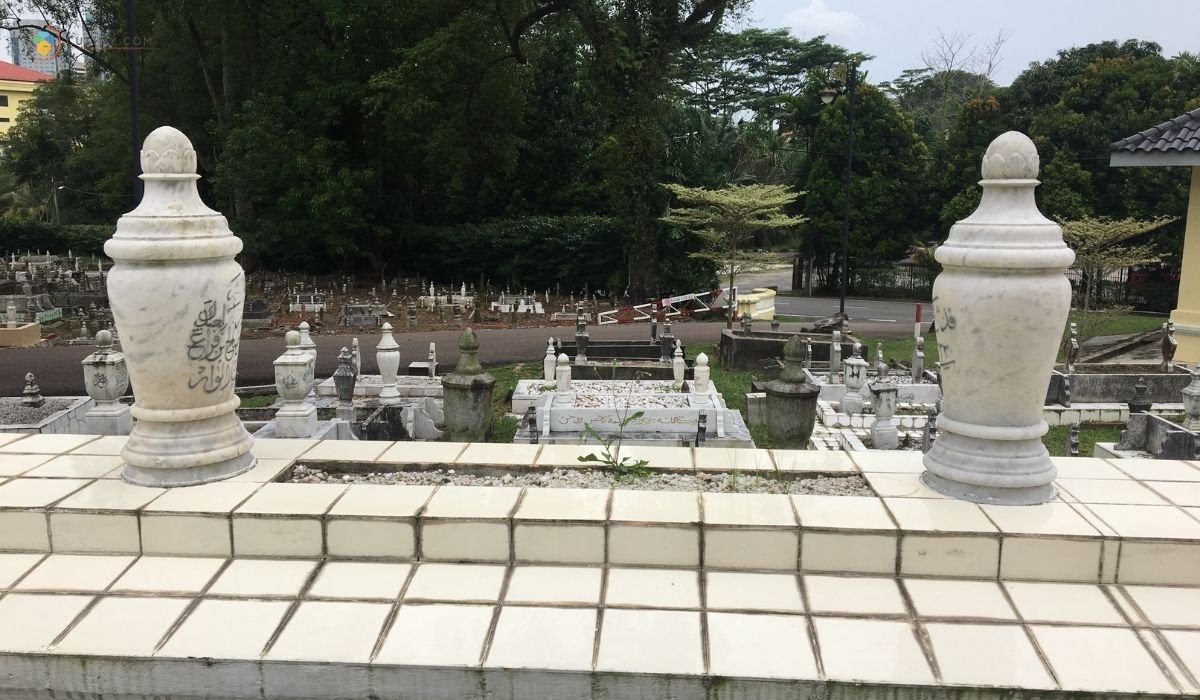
x: 1086, y: 468
x: 422, y: 453
x: 1062, y: 602
x: 456, y: 582
x: 473, y: 502
x: 564, y: 504
x: 110, y: 445
x: 554, y: 584
x: 226, y: 629
x: 515, y: 455
x: 892, y: 485
x: 993, y: 656
x: 382, y: 500
x: 848, y: 552
x: 1158, y: 469
x: 549, y: 638
x: 767, y: 509
x: 824, y: 461
x: 264, y: 470
x: 32, y: 621
x: 854, y: 595
x: 323, y: 631
x: 842, y: 512
x: 437, y: 635
x: 1045, y: 519
x: 564, y: 455
x: 1100, y: 659
x: 760, y: 646
x: 934, y: 515
x: 951, y: 598
x: 77, y: 466
x: 109, y: 494
x: 362, y: 580
x: 653, y: 588
x: 899, y: 461
x: 1187, y: 646
x: 741, y: 459
x: 346, y: 451
x: 1181, y: 493
x: 730, y: 590
x: 655, y: 506
x: 292, y: 499
x: 123, y: 626
x: 47, y: 444
x: 650, y: 641
x: 168, y: 575
x: 14, y: 566
x: 1152, y: 522
x: 658, y: 457
x: 37, y: 493
x: 1167, y: 606
x: 263, y: 577
x: 75, y: 572
x: 891, y: 647
x: 1126, y: 492
x: 281, y: 449
x: 218, y: 497
x: 16, y: 465
x: 6, y: 438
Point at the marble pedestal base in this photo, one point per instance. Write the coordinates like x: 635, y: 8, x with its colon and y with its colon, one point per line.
x: 299, y: 422
x: 1007, y: 466
x: 109, y: 420
x: 851, y: 403
x: 884, y: 437
x: 184, y: 453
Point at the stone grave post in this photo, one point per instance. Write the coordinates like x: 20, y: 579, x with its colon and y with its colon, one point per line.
x: 106, y: 378
x: 881, y: 367
x: 1191, y: 402
x: 678, y: 366
x: 918, y: 360
x: 835, y: 354
x: 412, y: 315
x: 548, y: 363
x: 1169, y: 345
x: 562, y: 380
x: 1140, y: 401
x: 467, y: 393
x: 176, y: 294
x: 294, y: 376
x: 356, y: 356
x: 775, y: 325
x: 700, y: 375
x: 387, y: 358
x: 1002, y: 278
x: 854, y: 376
x: 884, y: 435
x: 343, y: 383
x: 747, y: 323
x: 31, y: 395
x: 791, y: 402
x: 1072, y: 353
x: 654, y: 328
x: 581, y: 339
x: 11, y: 315
x: 666, y: 344
x: 432, y: 360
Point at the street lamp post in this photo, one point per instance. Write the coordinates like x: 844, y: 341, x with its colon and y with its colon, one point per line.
x: 827, y: 96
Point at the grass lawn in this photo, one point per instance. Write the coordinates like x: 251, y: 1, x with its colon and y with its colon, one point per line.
x: 1055, y: 439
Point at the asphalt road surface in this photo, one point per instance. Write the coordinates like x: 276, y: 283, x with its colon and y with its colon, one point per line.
x: 59, y: 373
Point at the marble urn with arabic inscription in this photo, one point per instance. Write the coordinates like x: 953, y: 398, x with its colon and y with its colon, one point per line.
x: 176, y: 295
x: 1000, y: 305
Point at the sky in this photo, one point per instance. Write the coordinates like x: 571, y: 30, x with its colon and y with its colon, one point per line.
x: 897, y: 32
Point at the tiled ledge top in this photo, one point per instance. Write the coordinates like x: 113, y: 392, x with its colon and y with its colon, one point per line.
x: 925, y: 633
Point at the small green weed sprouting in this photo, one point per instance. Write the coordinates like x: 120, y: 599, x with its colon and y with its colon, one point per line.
x: 625, y: 467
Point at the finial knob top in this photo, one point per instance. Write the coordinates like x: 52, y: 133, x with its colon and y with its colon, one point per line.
x: 166, y: 151
x: 1010, y: 156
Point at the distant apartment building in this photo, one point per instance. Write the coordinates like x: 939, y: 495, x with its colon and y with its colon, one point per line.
x: 38, y: 47
x: 16, y: 86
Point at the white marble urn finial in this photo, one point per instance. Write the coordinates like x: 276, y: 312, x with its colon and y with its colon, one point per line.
x: 177, y: 294
x: 678, y: 366
x: 387, y: 357
x: 1000, y: 304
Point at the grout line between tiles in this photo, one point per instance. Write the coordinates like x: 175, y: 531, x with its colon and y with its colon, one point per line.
x: 291, y: 611
x: 1037, y: 648
x: 491, y: 631
x: 389, y: 621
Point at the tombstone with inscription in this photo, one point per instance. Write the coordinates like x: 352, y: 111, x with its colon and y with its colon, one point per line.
x: 106, y: 378
x: 294, y: 376
x: 854, y: 374
x: 177, y: 295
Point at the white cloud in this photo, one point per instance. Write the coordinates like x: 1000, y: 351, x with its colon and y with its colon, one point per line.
x: 816, y: 18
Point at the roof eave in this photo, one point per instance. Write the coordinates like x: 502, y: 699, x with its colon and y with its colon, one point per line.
x: 1153, y: 159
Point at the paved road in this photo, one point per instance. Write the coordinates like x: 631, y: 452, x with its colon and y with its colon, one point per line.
x: 59, y: 374
x: 861, y: 311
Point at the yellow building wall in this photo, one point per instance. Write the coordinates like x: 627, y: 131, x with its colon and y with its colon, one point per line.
x: 14, y: 92
x: 1187, y: 312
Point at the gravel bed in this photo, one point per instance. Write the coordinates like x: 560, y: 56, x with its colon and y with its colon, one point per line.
x: 13, y: 412
x: 596, y: 479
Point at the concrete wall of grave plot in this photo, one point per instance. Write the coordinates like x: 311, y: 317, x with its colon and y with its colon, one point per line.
x: 369, y: 386
x: 625, y: 369
x: 905, y: 393
x: 629, y: 350
x: 69, y: 421
x: 25, y: 336
x: 748, y: 351
x: 1118, y: 388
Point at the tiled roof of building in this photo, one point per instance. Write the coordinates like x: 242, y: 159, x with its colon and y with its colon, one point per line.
x: 1178, y: 135
x: 11, y: 71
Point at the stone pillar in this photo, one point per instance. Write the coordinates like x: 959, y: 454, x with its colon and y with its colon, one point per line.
x: 548, y: 363
x: 1191, y: 402
x: 791, y: 403
x: 654, y: 328
x: 343, y: 383
x: 1002, y: 280
x: 747, y: 323
x: 355, y: 356
x: 294, y: 376
x: 808, y: 354
x: 881, y: 367
x: 835, y: 355
x: 387, y: 358
x: 467, y: 394
x: 432, y: 360
x: 666, y: 344
x: 918, y: 360
x: 562, y: 380
x: 177, y: 295
x: 1169, y: 346
x: 31, y: 395
x: 11, y: 314
x: 884, y: 435
x: 678, y: 366
x: 581, y: 340
x: 106, y: 378
x: 700, y: 375
x: 854, y: 376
